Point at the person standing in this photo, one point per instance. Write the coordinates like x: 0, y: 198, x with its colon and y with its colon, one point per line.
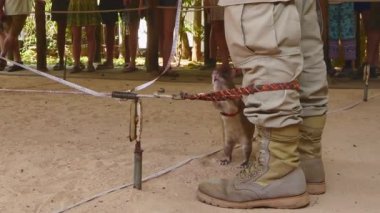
x: 277, y: 41
x: 14, y: 14
x: 109, y: 19
x: 61, y: 20
x: 76, y: 20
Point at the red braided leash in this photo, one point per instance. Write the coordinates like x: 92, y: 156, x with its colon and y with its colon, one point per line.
x: 237, y: 93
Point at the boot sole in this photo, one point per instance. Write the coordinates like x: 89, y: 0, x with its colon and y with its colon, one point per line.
x: 278, y: 203
x: 316, y: 188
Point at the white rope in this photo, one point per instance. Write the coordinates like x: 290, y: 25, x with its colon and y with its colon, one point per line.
x: 178, y: 165
x: 150, y: 177
x: 48, y: 91
x: 95, y: 11
x: 59, y: 80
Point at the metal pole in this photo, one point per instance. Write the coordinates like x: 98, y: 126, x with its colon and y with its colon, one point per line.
x: 135, y: 135
x: 137, y: 176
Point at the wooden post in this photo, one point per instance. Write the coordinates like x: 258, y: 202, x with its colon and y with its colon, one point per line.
x: 151, y: 60
x: 41, y: 35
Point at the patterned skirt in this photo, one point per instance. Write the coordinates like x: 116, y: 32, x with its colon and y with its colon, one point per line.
x: 83, y: 19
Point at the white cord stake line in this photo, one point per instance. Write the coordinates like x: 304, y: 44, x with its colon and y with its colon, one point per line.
x: 59, y: 80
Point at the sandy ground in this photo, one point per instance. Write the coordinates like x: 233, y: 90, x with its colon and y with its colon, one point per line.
x: 57, y: 150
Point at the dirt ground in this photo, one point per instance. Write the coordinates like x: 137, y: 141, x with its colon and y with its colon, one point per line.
x: 60, y: 149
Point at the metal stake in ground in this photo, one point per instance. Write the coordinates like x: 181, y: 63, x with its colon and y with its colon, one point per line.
x: 135, y: 135
x: 135, y: 129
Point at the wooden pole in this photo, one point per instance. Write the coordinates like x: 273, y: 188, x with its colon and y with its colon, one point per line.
x: 41, y: 34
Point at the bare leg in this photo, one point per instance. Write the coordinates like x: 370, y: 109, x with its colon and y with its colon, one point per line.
x: 61, y: 39
x: 218, y: 31
x: 212, y: 42
x: 372, y: 47
x: 127, y: 58
x: 133, y: 40
x: 168, y: 26
x: 2, y: 38
x: 110, y: 42
x: 90, y: 33
x: 77, y: 34
x: 15, y: 28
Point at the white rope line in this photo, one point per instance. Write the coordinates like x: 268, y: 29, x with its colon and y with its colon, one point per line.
x: 138, y: 88
x: 49, y: 91
x: 172, y: 52
x: 150, y: 177
x: 95, y: 11
x: 198, y: 8
x: 178, y: 165
x: 351, y: 106
x: 59, y: 80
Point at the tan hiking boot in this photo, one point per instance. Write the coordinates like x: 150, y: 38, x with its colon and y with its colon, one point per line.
x: 310, y: 153
x: 315, y: 175
x: 274, y: 180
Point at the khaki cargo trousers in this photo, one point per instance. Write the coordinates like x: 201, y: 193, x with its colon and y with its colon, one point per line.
x: 279, y: 42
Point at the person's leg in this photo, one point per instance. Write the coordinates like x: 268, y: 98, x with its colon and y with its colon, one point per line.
x: 110, y: 45
x: 372, y: 51
x: 167, y: 40
x: 90, y: 34
x: 2, y: 38
x: 334, y: 32
x: 133, y: 43
x: 109, y: 19
x: 222, y: 44
x: 127, y: 57
x: 267, y: 55
x: 16, y: 52
x: 61, y: 41
x: 76, y: 36
x: 348, y: 35
x: 314, y: 92
x: 16, y: 56
x: 110, y: 42
x: 11, y: 41
x: 212, y: 45
x: 16, y: 23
